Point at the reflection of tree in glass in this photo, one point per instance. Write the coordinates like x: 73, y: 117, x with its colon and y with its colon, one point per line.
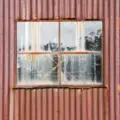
x: 69, y: 69
x: 98, y: 68
x: 54, y: 66
x: 93, y: 41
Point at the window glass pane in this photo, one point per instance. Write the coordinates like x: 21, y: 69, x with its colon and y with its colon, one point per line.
x: 37, y: 68
x: 37, y: 36
x: 83, y: 68
x: 68, y: 36
x: 93, y: 35
x: 49, y: 36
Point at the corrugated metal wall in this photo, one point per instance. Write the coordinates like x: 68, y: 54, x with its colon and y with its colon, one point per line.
x: 59, y: 103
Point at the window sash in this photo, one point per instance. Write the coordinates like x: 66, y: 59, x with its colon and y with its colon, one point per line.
x: 59, y: 53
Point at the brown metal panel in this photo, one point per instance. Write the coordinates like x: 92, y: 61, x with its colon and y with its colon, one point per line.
x: 117, y: 58
x: 1, y: 59
x: 39, y: 104
x: 28, y: 105
x: 44, y: 104
x: 67, y: 8
x: 50, y: 9
x: 105, y: 100
x: 78, y: 104
x: 84, y: 104
x: 89, y: 10
x: 61, y: 8
x: 101, y: 104
x: 44, y: 9
x: 100, y: 9
x: 39, y: 9
x: 89, y: 104
x: 95, y: 9
x: 12, y: 42
x: 95, y: 104
x: 50, y: 104
x: 34, y: 9
x: 72, y: 8
x: 22, y: 104
x: 12, y: 57
x: 78, y: 9
x: 17, y: 9
x: 84, y: 11
x: 55, y: 106
x: 22, y: 9
x: 67, y: 104
x: 16, y: 105
x: 6, y: 59
x: 106, y: 43
x: 111, y: 59
x: 28, y: 11
x: 61, y: 104
x: 56, y: 9
x: 72, y: 104
x: 33, y: 104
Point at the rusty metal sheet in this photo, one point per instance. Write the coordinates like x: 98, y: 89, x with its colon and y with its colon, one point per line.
x: 28, y: 104
x: 16, y: 105
x: 1, y: 60
x: 56, y: 100
x: 22, y: 104
x: 39, y: 104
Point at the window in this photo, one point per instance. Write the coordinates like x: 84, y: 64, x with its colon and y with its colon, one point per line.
x: 59, y: 53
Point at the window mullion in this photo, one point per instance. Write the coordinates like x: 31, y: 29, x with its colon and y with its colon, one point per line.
x: 59, y: 56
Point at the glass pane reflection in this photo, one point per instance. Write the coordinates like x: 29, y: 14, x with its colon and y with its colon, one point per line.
x: 68, y: 36
x: 37, y: 68
x: 37, y: 36
x: 81, y: 68
x: 93, y: 35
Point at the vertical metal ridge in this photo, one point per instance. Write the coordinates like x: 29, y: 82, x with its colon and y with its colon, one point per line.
x: 111, y: 58
x: 33, y: 104
x: 44, y: 104
x: 89, y: 104
x: 28, y: 107
x: 61, y: 104
x: 50, y: 104
x: 61, y: 8
x: 78, y: 6
x: 1, y: 58
x: 28, y: 10
x: 73, y: 9
x: 22, y: 104
x: 34, y: 10
x: 39, y: 9
x: 39, y: 104
x: 89, y: 10
x: 16, y: 105
x: 50, y: 9
x: 117, y: 59
x: 6, y: 59
x: 72, y: 104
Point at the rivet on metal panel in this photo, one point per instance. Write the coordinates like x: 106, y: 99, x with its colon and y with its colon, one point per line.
x: 35, y: 18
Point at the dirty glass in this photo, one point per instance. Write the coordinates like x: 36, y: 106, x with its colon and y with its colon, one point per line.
x: 83, y: 68
x: 37, y: 69
x: 68, y: 36
x: 93, y: 35
x: 62, y: 52
x: 37, y: 36
x: 49, y: 36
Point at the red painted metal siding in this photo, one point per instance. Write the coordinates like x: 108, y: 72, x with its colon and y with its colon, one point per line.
x: 59, y: 103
